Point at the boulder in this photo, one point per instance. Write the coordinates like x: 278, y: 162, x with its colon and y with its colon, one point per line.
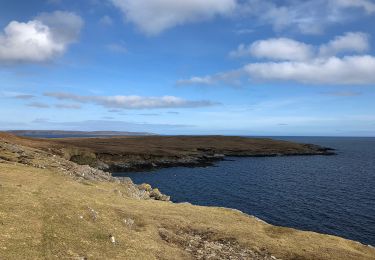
x: 145, y: 187
x: 157, y: 195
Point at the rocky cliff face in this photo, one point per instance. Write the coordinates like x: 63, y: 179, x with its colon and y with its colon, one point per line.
x: 12, y: 152
x: 140, y: 153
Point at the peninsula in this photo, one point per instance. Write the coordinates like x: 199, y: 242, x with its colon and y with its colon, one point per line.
x: 133, y: 153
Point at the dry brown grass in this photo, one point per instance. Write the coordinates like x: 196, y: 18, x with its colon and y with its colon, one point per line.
x: 44, y: 215
x: 175, y: 145
x: 167, y: 145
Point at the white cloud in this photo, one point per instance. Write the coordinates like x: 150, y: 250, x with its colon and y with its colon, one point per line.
x: 44, y: 38
x: 350, y: 42
x: 288, y: 49
x: 65, y: 26
x: 153, y: 17
x: 30, y: 41
x: 338, y: 71
x: 306, y: 16
x: 367, y: 5
x: 299, y: 62
x: 132, y: 102
x: 206, y: 80
x: 229, y: 77
x: 277, y: 48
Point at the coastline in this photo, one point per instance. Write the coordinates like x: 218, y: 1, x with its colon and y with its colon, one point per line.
x: 199, y: 161
x: 124, y: 154
x: 96, y: 205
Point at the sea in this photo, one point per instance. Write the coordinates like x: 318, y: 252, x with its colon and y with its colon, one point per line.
x: 326, y: 194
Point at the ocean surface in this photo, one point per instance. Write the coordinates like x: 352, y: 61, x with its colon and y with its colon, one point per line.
x: 327, y: 194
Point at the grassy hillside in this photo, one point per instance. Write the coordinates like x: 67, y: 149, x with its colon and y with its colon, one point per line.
x: 48, y: 210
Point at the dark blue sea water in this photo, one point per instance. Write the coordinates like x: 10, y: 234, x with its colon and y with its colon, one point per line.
x: 328, y: 194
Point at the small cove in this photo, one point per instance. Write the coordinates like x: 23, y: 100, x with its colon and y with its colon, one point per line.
x: 327, y: 194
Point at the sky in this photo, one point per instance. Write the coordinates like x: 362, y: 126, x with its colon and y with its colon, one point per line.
x: 231, y: 67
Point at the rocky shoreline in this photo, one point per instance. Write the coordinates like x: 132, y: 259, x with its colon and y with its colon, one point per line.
x: 201, y: 160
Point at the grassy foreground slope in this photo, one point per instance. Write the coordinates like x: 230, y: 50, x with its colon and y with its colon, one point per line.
x: 48, y: 212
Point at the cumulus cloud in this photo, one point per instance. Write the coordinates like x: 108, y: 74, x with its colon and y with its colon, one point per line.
x: 132, y: 102
x: 325, y: 64
x: 350, y: 42
x: 41, y: 39
x: 334, y: 70
x: 153, y: 17
x: 289, y: 49
x: 277, y: 48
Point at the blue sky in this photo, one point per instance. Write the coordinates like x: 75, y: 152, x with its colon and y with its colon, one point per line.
x: 238, y: 67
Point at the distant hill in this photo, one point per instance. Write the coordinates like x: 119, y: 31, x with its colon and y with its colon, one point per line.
x: 67, y: 134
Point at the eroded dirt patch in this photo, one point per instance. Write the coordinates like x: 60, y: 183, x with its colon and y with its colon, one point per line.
x: 208, y: 245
